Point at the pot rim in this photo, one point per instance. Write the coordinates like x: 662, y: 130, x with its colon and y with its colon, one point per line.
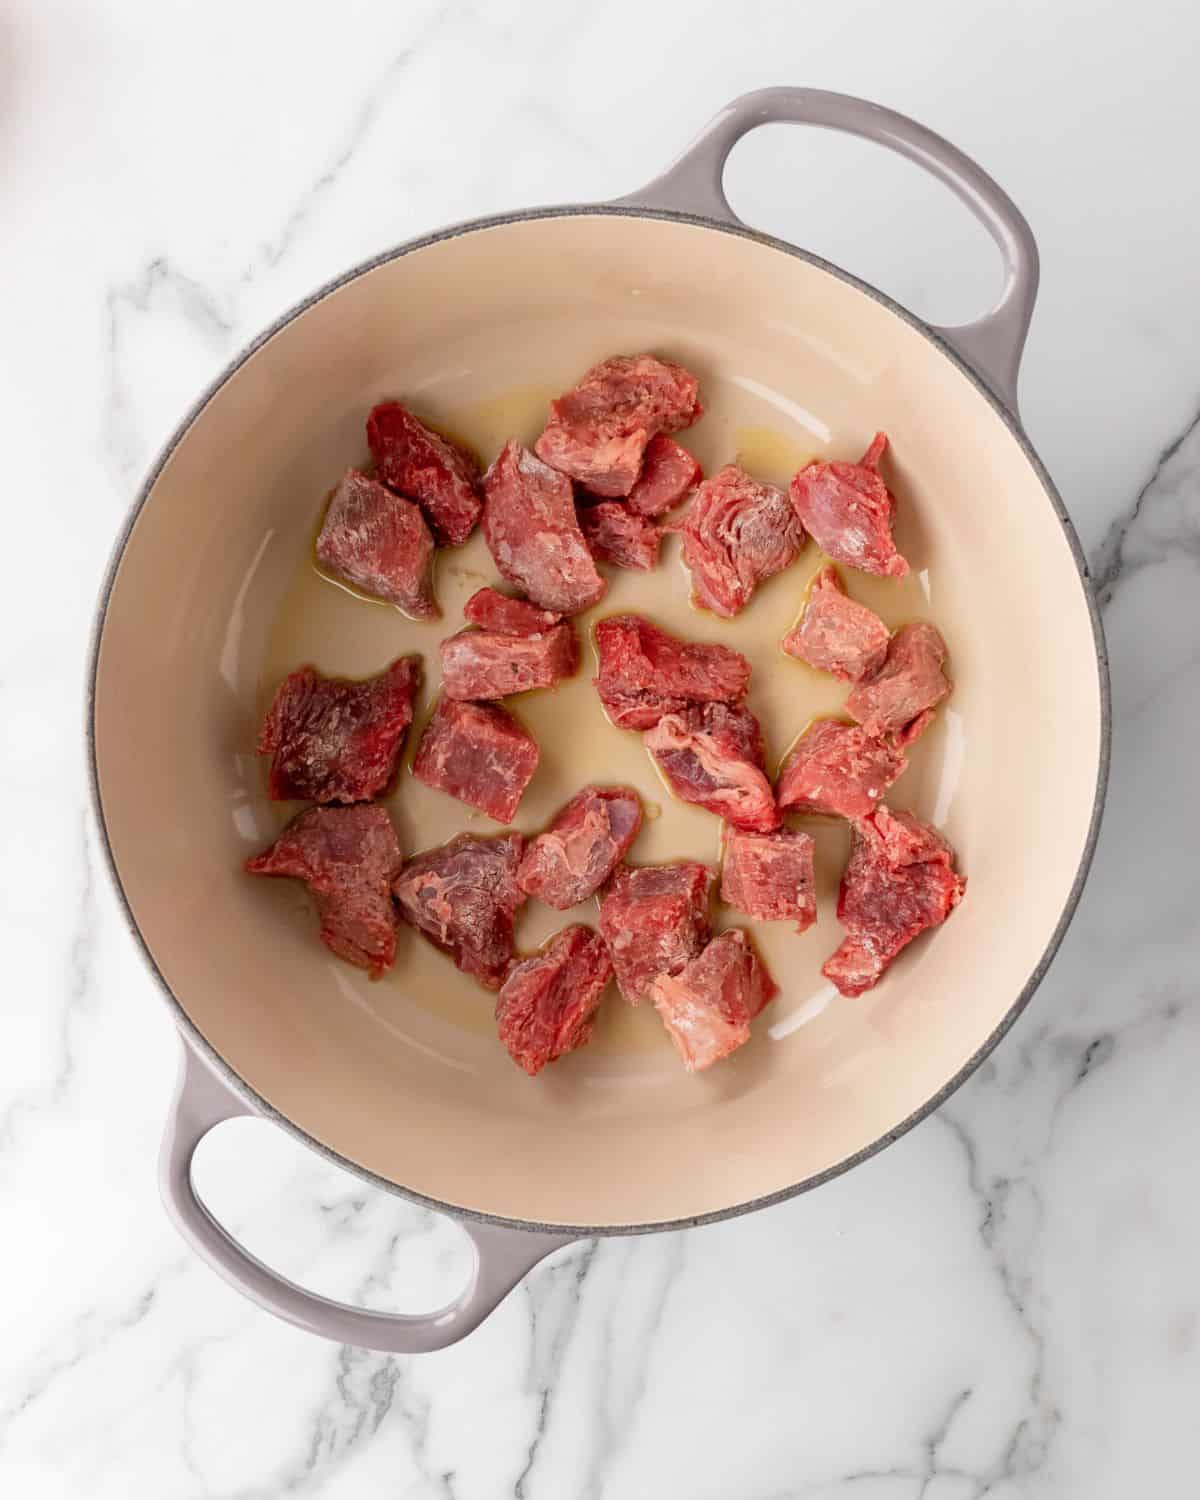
x: 191, y: 1035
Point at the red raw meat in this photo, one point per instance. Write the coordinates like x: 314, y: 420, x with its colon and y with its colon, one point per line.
x: 668, y: 472
x: 463, y: 897
x: 581, y: 848
x: 500, y: 612
x: 348, y: 858
x: 546, y: 1007
x: 899, y: 881
x: 896, y: 699
x: 707, y: 1007
x: 478, y: 753
x: 737, y: 533
x: 379, y: 542
x: 837, y: 634
x: 618, y: 535
x: 654, y: 920
x: 598, y: 432
x: 848, y: 511
x: 533, y: 533
x: 769, y: 876
x: 838, y: 768
x: 332, y: 739
x: 441, y: 475
x: 712, y: 755
x: 486, y: 664
x: 645, y: 673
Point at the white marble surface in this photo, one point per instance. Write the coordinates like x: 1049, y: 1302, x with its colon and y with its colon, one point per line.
x: 1006, y: 1303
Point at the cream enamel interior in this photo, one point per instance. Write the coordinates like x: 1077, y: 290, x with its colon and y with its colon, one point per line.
x: 214, y: 598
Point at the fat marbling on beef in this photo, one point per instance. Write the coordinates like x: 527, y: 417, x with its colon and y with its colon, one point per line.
x: 618, y: 535
x: 668, y: 472
x: 848, y: 511
x: 491, y: 610
x: 588, y: 838
x: 770, y: 876
x: 712, y: 755
x: 838, y: 768
x: 548, y: 1001
x: 708, y: 1006
x: 898, y: 698
x: 533, y: 533
x: 835, y: 633
x: 348, y: 857
x: 442, y: 476
x: 654, y: 919
x: 333, y: 739
x: 737, y: 533
x: 899, y: 881
x: 645, y: 672
x: 478, y: 753
x: 487, y: 664
x: 463, y: 897
x: 379, y: 542
x: 598, y: 432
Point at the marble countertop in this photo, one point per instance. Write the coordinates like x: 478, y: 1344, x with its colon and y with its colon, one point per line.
x: 1006, y: 1303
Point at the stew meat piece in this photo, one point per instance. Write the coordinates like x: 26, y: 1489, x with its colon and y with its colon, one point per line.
x: 533, y: 533
x: 712, y: 755
x: 848, y: 511
x: 618, y: 535
x: 898, y: 698
x: 837, y: 634
x: 546, y: 1006
x: 442, y: 476
x: 582, y: 847
x: 348, y: 857
x: 379, y: 542
x: 707, y: 1007
x: 900, y: 880
x: 463, y: 897
x: 486, y: 664
x: 478, y: 753
x: 654, y: 919
x: 737, y: 533
x: 332, y: 739
x: 770, y: 876
x: 668, y: 472
x: 645, y: 673
x: 598, y: 432
x: 838, y: 768
x: 491, y: 610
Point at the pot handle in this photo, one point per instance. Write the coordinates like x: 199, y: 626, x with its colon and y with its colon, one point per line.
x: 502, y: 1255
x: 694, y: 184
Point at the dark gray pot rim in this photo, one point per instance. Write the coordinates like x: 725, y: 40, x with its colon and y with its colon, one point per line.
x: 195, y: 1039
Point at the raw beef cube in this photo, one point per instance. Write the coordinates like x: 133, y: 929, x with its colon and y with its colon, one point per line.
x: 769, y: 876
x: 500, y: 612
x: 478, y: 753
x: 379, y: 542
x: 348, y: 858
x: 848, y: 511
x: 837, y: 634
x: 332, y: 739
x: 712, y: 754
x: 736, y: 534
x: 896, y: 698
x: 838, y: 768
x: 668, y: 472
x: 441, y: 476
x: 582, y: 847
x: 707, y: 1007
x: 654, y: 920
x: 645, y: 673
x: 900, y: 880
x: 463, y: 897
x: 598, y: 432
x: 533, y: 533
x: 485, y: 664
x: 620, y: 536
x: 546, y: 1007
